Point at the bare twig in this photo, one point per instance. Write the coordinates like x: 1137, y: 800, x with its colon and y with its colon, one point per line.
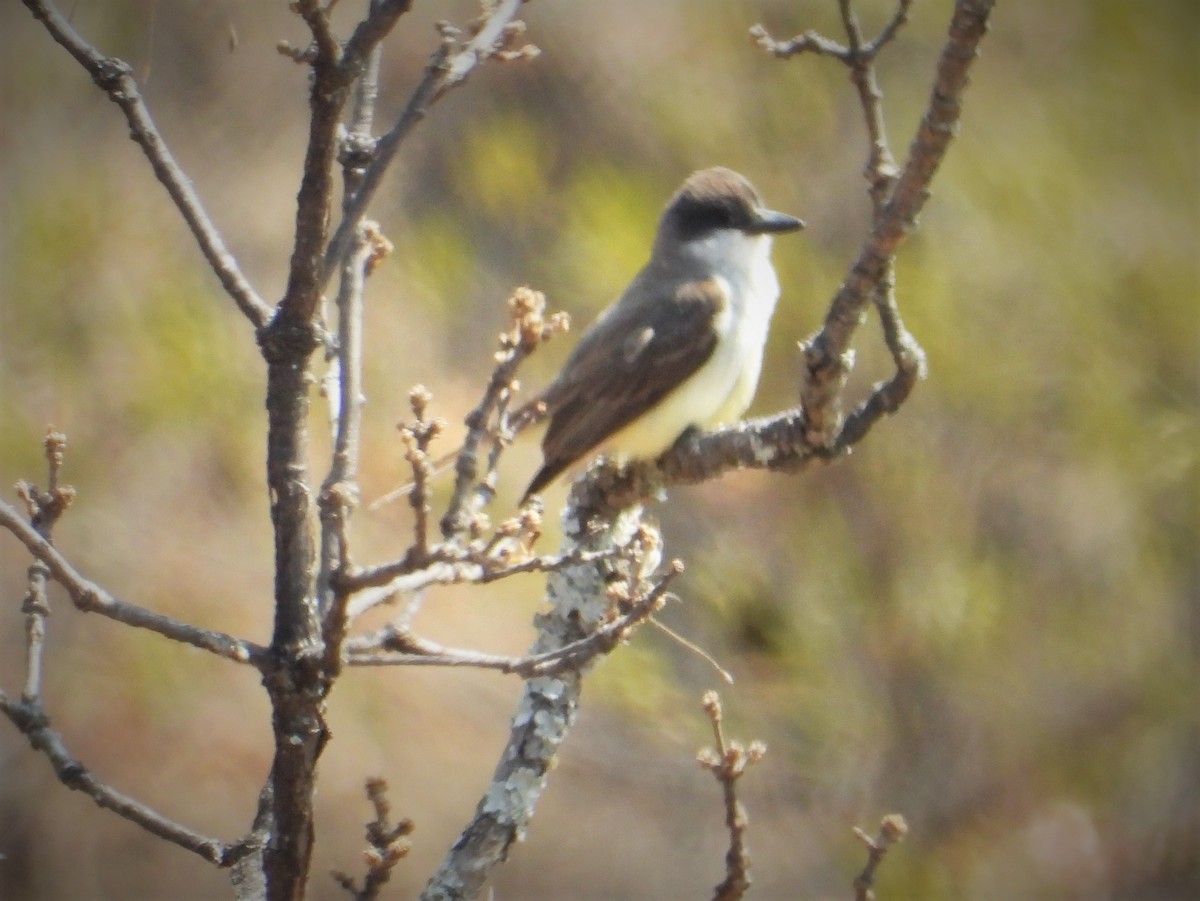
x: 881, y: 168
x: 811, y: 42
x: 887, y: 397
x: 825, y: 352
x: 448, y: 564
x: 115, y: 78
x: 727, y: 763
x: 385, y: 150
x: 402, y: 648
x: 328, y: 93
x: 45, y: 507
x: 892, y: 829
x: 417, y: 439
x: 791, y: 440
x: 29, y: 718
x: 316, y: 17
x: 491, y: 419
x: 451, y: 64
x: 91, y: 598
x: 808, y: 42
x: 387, y: 845
x: 688, y: 645
x: 28, y: 714
x: 364, y: 42
x: 339, y: 494
x: 826, y: 375
x: 530, y: 327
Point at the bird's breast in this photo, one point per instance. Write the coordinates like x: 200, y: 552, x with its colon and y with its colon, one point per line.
x: 719, y: 392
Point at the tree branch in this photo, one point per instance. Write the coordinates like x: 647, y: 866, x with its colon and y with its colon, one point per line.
x: 327, y: 97
x: 582, y: 599
x: 29, y: 718
x: 402, y: 648
x: 790, y: 440
x: 364, y: 42
x: 447, y: 70
x: 115, y: 78
x: 530, y: 326
x: 892, y: 829
x: 826, y: 353
x: 728, y: 762
x: 387, y: 845
x: 297, y: 680
x: 28, y: 714
x: 91, y: 598
x: 339, y: 494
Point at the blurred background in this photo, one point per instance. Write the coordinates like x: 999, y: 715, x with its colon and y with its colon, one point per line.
x: 987, y: 618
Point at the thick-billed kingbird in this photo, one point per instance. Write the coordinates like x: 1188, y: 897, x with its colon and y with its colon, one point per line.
x: 683, y: 345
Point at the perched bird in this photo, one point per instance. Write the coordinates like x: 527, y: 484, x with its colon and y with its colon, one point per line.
x: 682, y: 347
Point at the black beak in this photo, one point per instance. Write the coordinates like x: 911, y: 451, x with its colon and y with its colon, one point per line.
x: 771, y: 222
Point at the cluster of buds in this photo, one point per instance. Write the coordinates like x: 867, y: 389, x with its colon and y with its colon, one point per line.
x: 531, y: 325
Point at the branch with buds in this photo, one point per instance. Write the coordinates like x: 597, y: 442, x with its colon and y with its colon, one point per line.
x: 728, y: 762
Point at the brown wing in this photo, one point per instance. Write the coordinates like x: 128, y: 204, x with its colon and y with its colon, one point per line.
x: 627, y: 362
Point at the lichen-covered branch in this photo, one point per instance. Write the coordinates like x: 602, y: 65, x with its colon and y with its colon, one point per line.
x: 582, y: 599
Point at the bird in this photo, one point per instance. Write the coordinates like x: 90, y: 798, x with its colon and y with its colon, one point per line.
x: 682, y: 347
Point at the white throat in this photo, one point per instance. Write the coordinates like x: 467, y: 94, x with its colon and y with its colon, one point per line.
x: 744, y: 262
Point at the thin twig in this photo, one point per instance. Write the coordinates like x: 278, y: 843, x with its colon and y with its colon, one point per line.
x: 727, y: 763
x: 385, y: 151
x: 791, y: 440
x: 898, y: 20
x: 892, y: 830
x: 448, y: 68
x: 417, y: 439
x: 827, y: 373
x: 447, y: 565
x: 408, y: 650
x: 365, y: 39
x: 30, y: 720
x: 808, y: 42
x: 115, y: 77
x: 339, y: 494
x: 387, y: 845
x: 688, y: 645
x: 45, y: 508
x: 29, y: 715
x: 530, y: 327
x: 886, y: 397
x: 881, y: 170
x: 91, y: 598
